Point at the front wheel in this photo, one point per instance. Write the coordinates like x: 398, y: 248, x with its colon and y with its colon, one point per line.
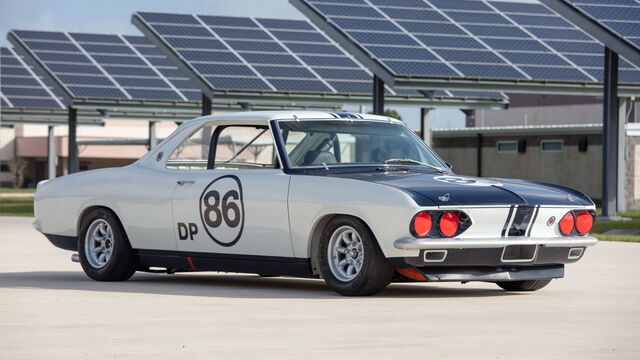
x: 523, y: 285
x: 103, y: 247
x: 351, y: 261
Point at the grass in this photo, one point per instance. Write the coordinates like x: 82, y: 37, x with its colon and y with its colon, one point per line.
x: 16, y: 206
x: 602, y: 226
x: 21, y: 190
x: 23, y: 206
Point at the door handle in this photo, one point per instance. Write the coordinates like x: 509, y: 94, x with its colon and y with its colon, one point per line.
x: 182, y: 182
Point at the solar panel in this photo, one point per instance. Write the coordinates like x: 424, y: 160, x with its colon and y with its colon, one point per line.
x: 568, y: 42
x: 621, y: 17
x: 260, y: 54
x: 469, y: 38
x: 106, y: 65
x: 20, y: 87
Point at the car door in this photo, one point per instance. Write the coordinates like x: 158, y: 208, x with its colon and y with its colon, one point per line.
x: 238, y: 207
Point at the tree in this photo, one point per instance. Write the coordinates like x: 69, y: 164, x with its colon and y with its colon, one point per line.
x: 16, y: 167
x: 390, y: 113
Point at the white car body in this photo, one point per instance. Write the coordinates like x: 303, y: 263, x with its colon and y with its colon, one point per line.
x: 283, y: 213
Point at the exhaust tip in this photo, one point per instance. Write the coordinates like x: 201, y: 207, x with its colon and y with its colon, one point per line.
x: 575, y: 253
x: 75, y: 258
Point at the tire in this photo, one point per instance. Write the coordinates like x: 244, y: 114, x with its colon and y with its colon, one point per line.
x: 114, y: 260
x: 371, y: 271
x: 524, y: 285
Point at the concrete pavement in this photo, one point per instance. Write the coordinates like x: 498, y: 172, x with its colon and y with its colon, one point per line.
x: 50, y: 310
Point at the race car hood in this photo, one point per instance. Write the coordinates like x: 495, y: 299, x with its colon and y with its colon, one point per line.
x: 448, y: 190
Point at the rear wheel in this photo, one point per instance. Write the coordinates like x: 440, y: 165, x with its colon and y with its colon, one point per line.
x: 104, y: 250
x: 524, y: 285
x: 351, y: 261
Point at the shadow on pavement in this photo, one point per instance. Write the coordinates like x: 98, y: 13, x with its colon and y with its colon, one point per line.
x: 223, y: 285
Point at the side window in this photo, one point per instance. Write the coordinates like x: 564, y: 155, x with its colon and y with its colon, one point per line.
x: 244, y: 147
x: 193, y: 153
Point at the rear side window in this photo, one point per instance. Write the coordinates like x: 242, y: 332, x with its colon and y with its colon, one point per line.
x: 193, y: 153
x: 244, y: 147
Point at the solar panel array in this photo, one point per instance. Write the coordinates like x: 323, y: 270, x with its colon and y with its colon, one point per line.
x: 259, y: 54
x: 20, y: 87
x: 106, y: 66
x: 621, y: 17
x: 470, y: 39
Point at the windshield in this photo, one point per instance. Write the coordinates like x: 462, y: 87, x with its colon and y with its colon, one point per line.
x: 327, y: 143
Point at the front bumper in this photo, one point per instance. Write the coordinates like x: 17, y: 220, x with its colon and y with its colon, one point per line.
x: 501, y: 259
x: 432, y: 244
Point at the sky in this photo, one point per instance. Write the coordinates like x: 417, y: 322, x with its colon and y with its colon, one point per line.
x: 114, y: 16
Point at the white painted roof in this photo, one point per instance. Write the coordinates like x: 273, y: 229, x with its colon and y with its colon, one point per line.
x: 266, y: 116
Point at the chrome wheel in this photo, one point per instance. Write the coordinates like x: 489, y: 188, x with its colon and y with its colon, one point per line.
x: 98, y: 243
x: 345, y: 253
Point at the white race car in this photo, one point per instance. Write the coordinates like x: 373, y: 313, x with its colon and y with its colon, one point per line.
x: 356, y: 199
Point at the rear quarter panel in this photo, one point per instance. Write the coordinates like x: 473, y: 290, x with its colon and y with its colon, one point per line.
x: 140, y: 198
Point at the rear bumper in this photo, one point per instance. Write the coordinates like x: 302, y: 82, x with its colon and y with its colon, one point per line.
x: 63, y: 242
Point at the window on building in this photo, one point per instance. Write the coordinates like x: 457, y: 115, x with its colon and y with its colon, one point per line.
x: 551, y: 145
x: 193, y: 153
x: 4, y: 167
x: 507, y: 147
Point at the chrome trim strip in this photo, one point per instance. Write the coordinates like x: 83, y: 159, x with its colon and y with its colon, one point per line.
x: 428, y: 244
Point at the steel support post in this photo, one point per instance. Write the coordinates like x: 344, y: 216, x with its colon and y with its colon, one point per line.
x: 153, y: 137
x: 206, y: 105
x: 73, y: 145
x: 425, y: 125
x: 52, y: 159
x: 378, y: 96
x: 622, y: 149
x: 610, y: 128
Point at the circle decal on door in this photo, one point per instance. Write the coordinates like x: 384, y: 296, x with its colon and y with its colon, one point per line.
x: 222, y: 210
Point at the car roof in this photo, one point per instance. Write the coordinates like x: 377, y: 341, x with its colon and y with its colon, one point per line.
x: 303, y: 115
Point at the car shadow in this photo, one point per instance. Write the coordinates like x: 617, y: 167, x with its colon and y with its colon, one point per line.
x: 225, y: 285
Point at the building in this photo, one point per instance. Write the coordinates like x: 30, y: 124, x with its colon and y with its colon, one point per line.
x: 556, y: 139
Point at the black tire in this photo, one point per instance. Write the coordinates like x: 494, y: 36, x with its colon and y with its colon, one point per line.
x: 524, y: 285
x: 375, y: 272
x: 122, y: 264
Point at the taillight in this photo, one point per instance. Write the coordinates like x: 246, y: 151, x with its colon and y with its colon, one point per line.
x: 449, y: 223
x: 567, y: 223
x: 421, y: 224
x: 584, y: 222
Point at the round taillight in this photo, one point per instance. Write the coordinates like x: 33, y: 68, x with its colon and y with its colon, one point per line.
x: 566, y: 224
x: 449, y: 223
x: 584, y: 222
x: 422, y: 224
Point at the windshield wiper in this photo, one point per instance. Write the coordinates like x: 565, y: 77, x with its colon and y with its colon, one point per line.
x: 413, y: 162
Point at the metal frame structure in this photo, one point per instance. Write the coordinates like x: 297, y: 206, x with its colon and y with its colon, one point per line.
x: 420, y: 82
x: 212, y: 99
x: 613, y: 102
x: 274, y: 96
x: 613, y: 162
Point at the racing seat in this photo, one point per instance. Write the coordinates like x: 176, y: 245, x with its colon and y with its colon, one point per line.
x: 318, y: 157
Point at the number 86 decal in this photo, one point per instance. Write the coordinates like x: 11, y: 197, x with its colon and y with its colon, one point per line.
x: 223, y: 217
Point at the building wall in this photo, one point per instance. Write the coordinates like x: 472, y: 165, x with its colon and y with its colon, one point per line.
x: 541, y: 115
x: 633, y: 172
x: 7, y: 151
x: 570, y: 167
